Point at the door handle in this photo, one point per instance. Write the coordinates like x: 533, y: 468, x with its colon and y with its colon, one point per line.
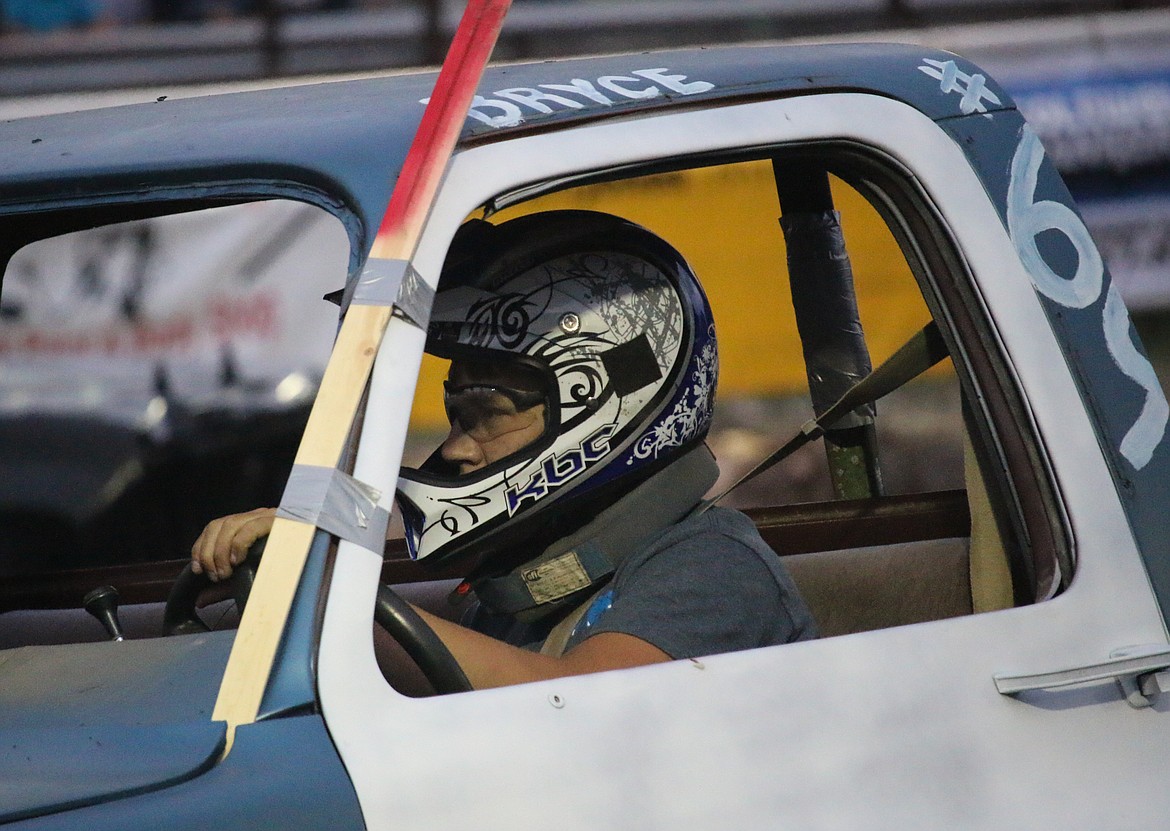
x: 1142, y: 671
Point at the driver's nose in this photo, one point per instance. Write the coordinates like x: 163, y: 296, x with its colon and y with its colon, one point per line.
x: 461, y: 449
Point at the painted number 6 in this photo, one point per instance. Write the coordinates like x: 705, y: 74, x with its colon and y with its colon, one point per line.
x: 1027, y: 219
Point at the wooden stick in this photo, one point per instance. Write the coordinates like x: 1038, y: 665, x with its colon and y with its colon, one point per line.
x: 348, y: 370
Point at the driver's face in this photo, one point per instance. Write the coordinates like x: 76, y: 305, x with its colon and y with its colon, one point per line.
x: 493, y: 412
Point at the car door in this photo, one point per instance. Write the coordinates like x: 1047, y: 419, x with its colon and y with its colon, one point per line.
x: 929, y: 724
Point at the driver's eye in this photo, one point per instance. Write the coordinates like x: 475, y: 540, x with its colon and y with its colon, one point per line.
x: 486, y: 412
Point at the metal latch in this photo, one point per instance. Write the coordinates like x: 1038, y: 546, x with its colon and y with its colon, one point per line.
x: 1142, y: 672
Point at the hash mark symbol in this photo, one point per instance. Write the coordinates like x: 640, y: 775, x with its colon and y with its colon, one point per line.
x: 952, y: 79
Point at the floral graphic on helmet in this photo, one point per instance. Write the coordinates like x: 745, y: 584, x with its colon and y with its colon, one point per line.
x: 690, y: 415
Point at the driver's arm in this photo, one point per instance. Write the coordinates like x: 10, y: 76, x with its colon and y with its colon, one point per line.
x: 486, y: 661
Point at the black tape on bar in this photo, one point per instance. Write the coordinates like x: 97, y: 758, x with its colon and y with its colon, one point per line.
x: 821, y: 279
x: 835, y: 354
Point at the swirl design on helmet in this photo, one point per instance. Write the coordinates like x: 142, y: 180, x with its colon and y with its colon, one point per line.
x: 573, y: 358
x: 505, y: 318
x: 466, y: 505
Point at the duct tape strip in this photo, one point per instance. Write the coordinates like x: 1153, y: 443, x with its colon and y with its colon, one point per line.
x: 336, y: 502
x: 415, y: 299
x: 395, y: 283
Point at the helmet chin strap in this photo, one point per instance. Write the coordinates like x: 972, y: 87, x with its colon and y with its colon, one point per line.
x: 562, y: 572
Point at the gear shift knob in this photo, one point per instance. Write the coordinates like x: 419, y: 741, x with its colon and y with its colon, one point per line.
x: 102, y: 603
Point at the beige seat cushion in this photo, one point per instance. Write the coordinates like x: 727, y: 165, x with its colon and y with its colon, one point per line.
x: 860, y: 589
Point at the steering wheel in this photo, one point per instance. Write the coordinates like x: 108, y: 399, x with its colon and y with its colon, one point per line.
x: 180, y: 617
x: 391, y: 612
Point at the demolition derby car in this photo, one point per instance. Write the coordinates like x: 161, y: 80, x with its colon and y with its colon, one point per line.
x: 984, y: 548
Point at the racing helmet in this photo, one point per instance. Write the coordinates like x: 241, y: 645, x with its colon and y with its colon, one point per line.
x: 613, y: 323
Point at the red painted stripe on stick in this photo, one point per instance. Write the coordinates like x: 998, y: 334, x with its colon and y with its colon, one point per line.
x: 443, y: 118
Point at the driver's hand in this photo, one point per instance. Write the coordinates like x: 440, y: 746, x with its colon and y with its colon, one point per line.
x: 224, y: 543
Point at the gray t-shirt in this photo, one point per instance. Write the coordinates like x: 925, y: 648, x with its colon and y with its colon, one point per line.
x: 707, y: 585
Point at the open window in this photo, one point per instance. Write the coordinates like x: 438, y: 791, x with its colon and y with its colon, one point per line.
x: 158, y: 365
x: 820, y: 263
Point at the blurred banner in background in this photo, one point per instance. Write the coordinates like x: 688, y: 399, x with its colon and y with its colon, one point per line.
x: 215, y: 309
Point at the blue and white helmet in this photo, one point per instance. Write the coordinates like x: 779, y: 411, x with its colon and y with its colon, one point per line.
x: 615, y: 322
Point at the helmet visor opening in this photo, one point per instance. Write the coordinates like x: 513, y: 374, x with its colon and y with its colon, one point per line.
x: 498, y: 409
x: 487, y: 412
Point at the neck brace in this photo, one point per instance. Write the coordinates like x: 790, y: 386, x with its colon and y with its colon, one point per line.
x: 589, y: 556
